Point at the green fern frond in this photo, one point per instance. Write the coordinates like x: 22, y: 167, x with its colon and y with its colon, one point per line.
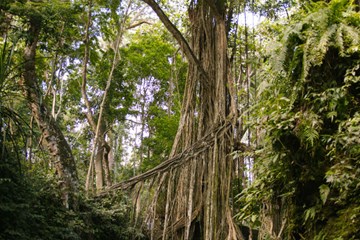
x: 352, y: 18
x: 339, y: 40
x: 323, y: 45
x: 351, y: 39
x: 305, y: 63
x: 328, y: 26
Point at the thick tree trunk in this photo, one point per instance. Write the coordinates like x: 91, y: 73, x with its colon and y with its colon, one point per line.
x: 198, y: 193
x: 53, y: 138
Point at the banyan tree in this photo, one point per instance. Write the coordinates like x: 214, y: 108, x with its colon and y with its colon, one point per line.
x: 192, y: 188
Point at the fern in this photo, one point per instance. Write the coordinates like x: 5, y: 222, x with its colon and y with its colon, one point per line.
x: 323, y: 45
x: 309, y: 110
x: 308, y: 128
x: 351, y: 38
x: 330, y: 26
x: 351, y: 76
x: 339, y: 40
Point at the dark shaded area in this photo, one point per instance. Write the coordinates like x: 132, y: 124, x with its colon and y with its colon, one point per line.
x: 248, y: 233
x: 30, y: 208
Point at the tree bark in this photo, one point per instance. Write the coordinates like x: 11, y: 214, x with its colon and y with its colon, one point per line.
x: 52, y: 136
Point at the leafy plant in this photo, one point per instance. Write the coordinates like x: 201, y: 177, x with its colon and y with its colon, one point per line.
x: 307, y: 166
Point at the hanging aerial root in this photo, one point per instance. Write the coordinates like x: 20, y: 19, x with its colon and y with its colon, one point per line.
x: 180, y: 223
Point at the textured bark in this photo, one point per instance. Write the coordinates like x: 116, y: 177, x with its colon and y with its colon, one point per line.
x: 99, y: 174
x: 52, y: 136
x: 103, y: 154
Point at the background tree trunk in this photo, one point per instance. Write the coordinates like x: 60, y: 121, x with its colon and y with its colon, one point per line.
x: 99, y: 164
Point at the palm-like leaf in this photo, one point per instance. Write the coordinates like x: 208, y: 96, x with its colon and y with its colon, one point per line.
x: 11, y: 123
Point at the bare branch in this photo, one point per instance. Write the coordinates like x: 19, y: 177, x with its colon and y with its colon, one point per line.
x: 137, y: 24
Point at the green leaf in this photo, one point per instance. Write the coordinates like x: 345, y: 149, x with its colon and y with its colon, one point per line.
x: 310, y: 213
x: 324, y: 192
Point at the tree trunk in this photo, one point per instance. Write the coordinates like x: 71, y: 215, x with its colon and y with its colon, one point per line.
x: 101, y: 162
x: 197, y: 194
x: 99, y: 175
x: 101, y: 148
x: 53, y: 139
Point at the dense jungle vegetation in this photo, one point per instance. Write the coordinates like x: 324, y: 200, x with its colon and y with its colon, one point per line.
x: 208, y: 119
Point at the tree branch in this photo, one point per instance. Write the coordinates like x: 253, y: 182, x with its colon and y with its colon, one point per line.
x: 177, y: 35
x: 138, y: 24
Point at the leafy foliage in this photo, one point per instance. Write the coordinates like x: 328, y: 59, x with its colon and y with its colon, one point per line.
x: 30, y: 208
x: 159, y: 71
x: 307, y: 165
x: 30, y: 205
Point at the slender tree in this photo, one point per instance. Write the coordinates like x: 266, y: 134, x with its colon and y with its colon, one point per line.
x: 99, y: 160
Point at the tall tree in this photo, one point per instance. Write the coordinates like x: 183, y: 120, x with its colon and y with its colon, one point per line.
x: 107, y: 72
x: 196, y: 179
x: 52, y: 136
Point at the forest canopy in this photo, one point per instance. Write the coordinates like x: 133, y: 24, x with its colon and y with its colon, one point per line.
x: 129, y: 119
